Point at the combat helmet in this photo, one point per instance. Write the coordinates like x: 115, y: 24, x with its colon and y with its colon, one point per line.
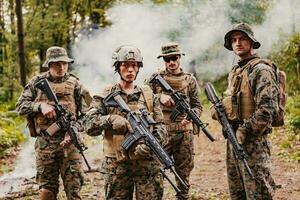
x: 127, y: 53
x: 56, y: 54
x: 245, y: 28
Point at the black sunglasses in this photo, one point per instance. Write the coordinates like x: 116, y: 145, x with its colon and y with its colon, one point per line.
x: 168, y: 59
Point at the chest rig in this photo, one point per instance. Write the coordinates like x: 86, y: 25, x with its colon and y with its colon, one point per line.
x: 65, y: 95
x: 240, y: 103
x: 113, y: 140
x: 181, y: 84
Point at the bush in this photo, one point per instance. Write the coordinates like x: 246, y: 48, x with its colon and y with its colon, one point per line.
x: 293, y: 113
x: 11, y: 128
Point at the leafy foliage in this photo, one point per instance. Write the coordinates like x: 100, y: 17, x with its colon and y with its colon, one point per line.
x: 11, y: 127
x: 286, y: 55
x: 252, y: 12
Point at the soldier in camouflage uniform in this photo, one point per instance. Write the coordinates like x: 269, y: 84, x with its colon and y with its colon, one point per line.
x: 125, y: 171
x: 180, y: 133
x: 251, y: 106
x: 54, y: 154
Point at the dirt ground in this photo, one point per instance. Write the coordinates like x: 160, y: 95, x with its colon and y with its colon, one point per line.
x: 208, y: 179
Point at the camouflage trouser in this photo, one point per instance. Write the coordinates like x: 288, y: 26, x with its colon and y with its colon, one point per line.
x: 180, y: 145
x: 121, y: 178
x: 241, y: 186
x: 50, y: 162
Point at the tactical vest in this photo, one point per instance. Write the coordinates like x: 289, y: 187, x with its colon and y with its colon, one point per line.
x: 240, y: 103
x: 65, y: 95
x: 181, y: 84
x: 112, y: 140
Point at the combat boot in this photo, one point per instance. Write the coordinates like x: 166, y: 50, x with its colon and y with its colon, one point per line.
x: 46, y: 194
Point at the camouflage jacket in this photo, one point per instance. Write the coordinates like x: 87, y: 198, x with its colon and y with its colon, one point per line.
x: 96, y: 118
x: 264, y: 88
x: 27, y: 106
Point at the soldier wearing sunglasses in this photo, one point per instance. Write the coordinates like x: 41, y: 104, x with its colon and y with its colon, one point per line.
x: 180, y: 132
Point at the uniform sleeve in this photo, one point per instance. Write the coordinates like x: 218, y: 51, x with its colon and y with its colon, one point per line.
x: 194, y: 94
x: 96, y: 118
x: 83, y: 99
x: 265, y: 92
x: 25, y: 104
x: 159, y: 130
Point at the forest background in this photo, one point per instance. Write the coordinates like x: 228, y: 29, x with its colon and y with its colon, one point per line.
x: 29, y: 27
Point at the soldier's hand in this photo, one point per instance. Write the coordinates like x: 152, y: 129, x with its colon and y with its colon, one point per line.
x: 48, y: 110
x: 214, y: 114
x: 119, y: 123
x: 241, y: 135
x: 185, y: 122
x: 142, y: 150
x: 66, y: 141
x: 166, y: 100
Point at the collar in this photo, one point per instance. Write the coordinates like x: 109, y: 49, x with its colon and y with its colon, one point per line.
x: 58, y: 80
x: 242, y: 63
x: 170, y: 74
x: 136, y: 89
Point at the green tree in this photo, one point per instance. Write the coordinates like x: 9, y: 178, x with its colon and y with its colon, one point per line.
x: 252, y: 12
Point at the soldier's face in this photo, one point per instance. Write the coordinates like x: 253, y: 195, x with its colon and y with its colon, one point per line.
x: 58, y: 69
x: 241, y: 44
x: 129, y: 70
x: 172, y: 63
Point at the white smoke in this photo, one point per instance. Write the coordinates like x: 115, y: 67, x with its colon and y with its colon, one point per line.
x: 148, y: 27
x: 282, y: 20
x: 196, y: 25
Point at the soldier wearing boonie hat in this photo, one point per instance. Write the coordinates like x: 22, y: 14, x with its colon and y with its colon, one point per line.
x: 180, y: 133
x: 251, y: 103
x: 242, y: 27
x: 55, y: 155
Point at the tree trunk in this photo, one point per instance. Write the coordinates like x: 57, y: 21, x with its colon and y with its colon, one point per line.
x: 21, y: 43
x: 14, y: 49
x: 42, y: 50
x: 2, y: 41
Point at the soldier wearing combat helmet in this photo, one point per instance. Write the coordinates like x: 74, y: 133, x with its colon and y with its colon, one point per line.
x: 136, y: 170
x: 180, y: 133
x: 251, y: 107
x: 54, y: 153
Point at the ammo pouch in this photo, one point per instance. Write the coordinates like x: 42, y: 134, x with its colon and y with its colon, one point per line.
x: 231, y: 105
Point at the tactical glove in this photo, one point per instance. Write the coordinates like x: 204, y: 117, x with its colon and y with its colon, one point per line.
x: 241, y: 135
x: 142, y: 150
x: 119, y: 124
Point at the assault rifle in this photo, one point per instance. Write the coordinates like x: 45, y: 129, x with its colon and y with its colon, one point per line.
x: 64, y: 119
x: 181, y: 106
x: 227, y: 128
x: 141, y: 125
